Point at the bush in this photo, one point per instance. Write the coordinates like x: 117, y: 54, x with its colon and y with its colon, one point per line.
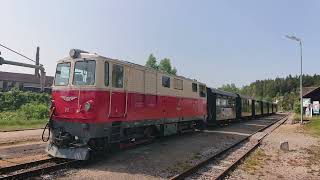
x: 14, y: 99
x: 34, y: 111
x: 297, y: 106
x: 10, y: 120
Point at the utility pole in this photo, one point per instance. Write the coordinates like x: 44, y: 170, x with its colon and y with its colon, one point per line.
x: 37, y: 65
x: 36, y: 71
x: 301, y: 103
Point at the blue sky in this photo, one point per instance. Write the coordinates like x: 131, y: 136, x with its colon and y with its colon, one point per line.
x: 216, y: 42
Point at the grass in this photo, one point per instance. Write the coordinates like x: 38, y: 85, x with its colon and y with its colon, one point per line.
x: 15, y: 121
x: 313, y: 126
x: 254, y: 161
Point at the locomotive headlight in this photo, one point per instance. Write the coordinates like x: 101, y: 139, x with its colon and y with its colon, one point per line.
x: 87, y: 106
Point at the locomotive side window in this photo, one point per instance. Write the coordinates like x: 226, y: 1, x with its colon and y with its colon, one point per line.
x: 166, y: 81
x: 84, y: 72
x: 106, y: 74
x: 178, y: 84
x: 117, y: 76
x: 202, y: 91
x: 194, y: 87
x: 62, y: 74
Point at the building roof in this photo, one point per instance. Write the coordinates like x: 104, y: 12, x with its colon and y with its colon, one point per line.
x: 308, y: 90
x: 25, y: 78
x: 311, y: 92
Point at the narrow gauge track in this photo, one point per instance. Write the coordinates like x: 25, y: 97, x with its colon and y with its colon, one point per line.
x: 35, y: 168
x: 220, y: 164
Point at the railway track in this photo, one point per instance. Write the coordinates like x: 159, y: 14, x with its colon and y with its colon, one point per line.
x: 219, y: 165
x: 35, y: 168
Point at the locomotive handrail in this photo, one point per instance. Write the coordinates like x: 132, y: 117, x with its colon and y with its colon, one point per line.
x: 110, y: 99
x: 126, y: 90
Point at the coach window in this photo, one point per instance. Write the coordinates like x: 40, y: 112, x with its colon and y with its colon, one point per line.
x: 202, y: 91
x: 166, y: 81
x: 106, y: 74
x: 194, y: 87
x: 117, y: 76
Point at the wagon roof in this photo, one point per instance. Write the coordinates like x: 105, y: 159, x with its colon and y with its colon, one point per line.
x: 217, y: 91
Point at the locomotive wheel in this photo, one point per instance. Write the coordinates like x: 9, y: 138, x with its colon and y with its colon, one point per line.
x: 148, y: 132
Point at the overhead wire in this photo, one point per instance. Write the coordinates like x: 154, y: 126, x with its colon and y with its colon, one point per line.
x: 17, y: 53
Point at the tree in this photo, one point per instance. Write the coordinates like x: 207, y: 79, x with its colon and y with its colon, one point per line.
x: 165, y: 66
x: 152, y: 62
x: 230, y: 88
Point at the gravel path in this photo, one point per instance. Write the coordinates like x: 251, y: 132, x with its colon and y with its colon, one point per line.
x: 269, y: 162
x: 7, y: 138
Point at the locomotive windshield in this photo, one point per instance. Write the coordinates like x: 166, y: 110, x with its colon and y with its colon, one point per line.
x: 84, y: 72
x: 62, y: 74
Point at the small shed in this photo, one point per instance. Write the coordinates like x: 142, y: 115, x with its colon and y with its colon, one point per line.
x: 311, y: 92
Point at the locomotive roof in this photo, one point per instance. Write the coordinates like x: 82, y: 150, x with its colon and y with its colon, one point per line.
x: 103, y: 58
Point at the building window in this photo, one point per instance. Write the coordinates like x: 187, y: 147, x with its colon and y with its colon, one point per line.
x: 5, y: 85
x: 194, y: 87
x: 106, y: 74
x: 21, y: 86
x: 117, y: 76
x: 166, y: 81
x: 178, y: 84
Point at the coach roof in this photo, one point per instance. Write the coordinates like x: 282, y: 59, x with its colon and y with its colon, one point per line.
x: 225, y: 93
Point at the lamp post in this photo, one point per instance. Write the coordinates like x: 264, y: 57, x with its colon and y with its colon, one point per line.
x: 301, y: 103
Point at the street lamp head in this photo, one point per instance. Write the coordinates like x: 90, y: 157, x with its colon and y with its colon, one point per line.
x: 293, y: 38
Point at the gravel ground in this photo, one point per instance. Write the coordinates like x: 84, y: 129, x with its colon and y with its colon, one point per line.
x: 16, y: 154
x: 269, y: 162
x: 14, y: 137
x: 165, y: 157
x: 21, y: 147
x: 223, y: 162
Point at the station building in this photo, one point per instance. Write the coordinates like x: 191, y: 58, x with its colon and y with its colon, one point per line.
x: 22, y: 81
x: 313, y: 94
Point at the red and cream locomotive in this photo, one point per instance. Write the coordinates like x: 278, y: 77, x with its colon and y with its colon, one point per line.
x: 98, y: 102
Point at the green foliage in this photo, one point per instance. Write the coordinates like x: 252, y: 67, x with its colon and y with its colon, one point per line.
x: 297, y: 106
x: 14, y: 120
x: 14, y: 99
x: 285, y: 91
x: 34, y: 111
x: 152, y: 62
x: 314, y: 126
x: 230, y: 88
x: 164, y: 65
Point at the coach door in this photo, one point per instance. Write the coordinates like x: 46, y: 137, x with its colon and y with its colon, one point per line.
x: 118, y: 94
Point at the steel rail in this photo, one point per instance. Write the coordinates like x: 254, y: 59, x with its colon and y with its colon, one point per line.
x: 31, y: 169
x: 249, y: 151
x: 193, y: 169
